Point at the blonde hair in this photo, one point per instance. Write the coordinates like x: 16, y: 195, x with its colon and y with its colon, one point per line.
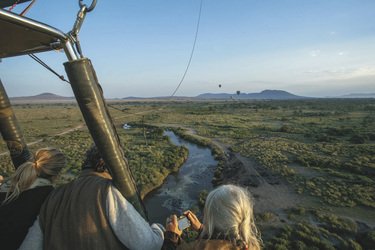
x: 228, y: 214
x: 46, y: 163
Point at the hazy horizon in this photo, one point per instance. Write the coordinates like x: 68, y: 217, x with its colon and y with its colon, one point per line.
x: 364, y: 95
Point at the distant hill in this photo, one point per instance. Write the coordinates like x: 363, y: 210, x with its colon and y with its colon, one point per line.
x: 42, y: 97
x: 265, y: 94
x: 358, y: 95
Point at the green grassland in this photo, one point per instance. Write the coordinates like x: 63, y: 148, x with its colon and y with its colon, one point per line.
x: 150, y: 164
x: 323, y: 148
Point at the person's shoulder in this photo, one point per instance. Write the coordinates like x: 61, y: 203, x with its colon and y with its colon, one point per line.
x: 197, y: 244
x: 41, y: 190
x: 202, y: 244
x: 115, y: 194
x: 37, y: 193
x: 59, y: 190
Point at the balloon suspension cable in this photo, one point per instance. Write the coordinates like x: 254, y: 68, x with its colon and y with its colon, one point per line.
x: 188, y: 65
x: 192, y: 51
x: 37, y: 59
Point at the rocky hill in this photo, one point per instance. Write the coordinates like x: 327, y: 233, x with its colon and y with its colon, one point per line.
x: 44, y: 97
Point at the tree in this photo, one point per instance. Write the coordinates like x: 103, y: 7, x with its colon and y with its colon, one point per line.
x: 202, y: 197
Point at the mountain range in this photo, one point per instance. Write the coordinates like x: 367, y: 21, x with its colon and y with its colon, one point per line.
x: 265, y: 94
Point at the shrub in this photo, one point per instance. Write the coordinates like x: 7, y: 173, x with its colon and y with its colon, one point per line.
x: 367, y: 239
x: 358, y: 139
x: 202, y: 197
x: 262, y: 217
x: 337, y: 224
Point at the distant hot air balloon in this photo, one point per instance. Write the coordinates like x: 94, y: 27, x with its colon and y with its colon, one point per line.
x: 219, y: 85
x: 238, y: 92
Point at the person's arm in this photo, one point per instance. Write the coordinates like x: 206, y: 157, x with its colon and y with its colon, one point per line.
x: 128, y: 225
x: 34, y: 238
x: 172, y: 236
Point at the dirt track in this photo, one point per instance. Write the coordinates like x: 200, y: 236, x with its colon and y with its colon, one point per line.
x: 82, y: 126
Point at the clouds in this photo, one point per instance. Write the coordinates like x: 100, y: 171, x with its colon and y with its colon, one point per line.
x: 327, y: 53
x: 334, y: 87
x: 361, y: 72
x: 314, y: 53
x: 342, y: 73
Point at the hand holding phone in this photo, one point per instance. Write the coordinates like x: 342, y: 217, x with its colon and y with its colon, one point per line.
x: 194, y: 221
x: 183, y: 222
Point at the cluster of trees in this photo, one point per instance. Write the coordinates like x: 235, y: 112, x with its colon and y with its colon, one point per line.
x: 338, y: 225
x: 336, y: 134
x: 342, y: 192
x: 151, y: 166
x: 263, y: 217
x: 194, y: 139
x: 304, y: 235
x: 152, y: 163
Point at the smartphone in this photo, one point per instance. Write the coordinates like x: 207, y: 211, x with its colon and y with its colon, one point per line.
x: 183, y: 222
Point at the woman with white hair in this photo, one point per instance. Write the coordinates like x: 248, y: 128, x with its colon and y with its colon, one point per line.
x: 228, y: 223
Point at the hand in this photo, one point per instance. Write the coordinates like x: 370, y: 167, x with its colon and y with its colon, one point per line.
x: 172, y: 225
x: 195, y: 224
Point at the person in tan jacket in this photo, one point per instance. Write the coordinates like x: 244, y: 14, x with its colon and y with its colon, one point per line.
x: 228, y: 223
x: 89, y: 212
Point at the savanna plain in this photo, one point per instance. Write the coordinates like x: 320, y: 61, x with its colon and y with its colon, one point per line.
x: 309, y: 164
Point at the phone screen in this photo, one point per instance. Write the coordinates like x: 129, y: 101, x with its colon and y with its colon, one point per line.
x: 183, y: 223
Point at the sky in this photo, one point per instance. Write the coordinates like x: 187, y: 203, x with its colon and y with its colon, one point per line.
x: 142, y: 48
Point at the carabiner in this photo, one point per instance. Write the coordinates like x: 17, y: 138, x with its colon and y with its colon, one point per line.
x: 89, y: 8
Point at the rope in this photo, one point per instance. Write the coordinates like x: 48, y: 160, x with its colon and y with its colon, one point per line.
x: 192, y: 51
x: 26, y: 10
x: 28, y: 7
x: 187, y: 67
x: 14, y: 5
x: 47, y: 67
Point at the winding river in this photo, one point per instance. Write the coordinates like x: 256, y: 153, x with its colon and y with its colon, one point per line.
x: 179, y: 191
